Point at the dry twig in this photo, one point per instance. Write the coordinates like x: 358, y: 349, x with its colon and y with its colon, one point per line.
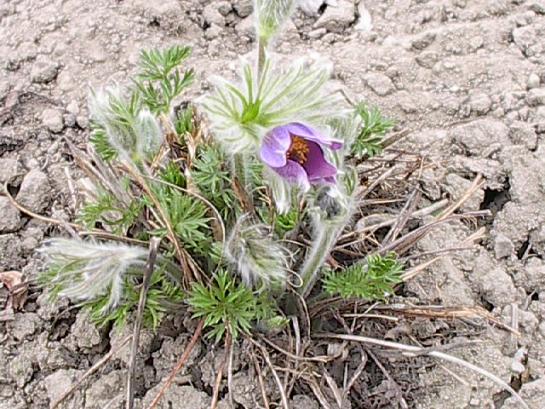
x: 150, y: 264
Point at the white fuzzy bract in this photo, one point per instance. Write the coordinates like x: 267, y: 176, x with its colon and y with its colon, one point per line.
x: 89, y: 270
x: 240, y: 114
x: 133, y: 131
x: 271, y: 15
x: 258, y: 258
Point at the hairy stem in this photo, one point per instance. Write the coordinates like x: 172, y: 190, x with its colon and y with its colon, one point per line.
x: 261, y: 56
x: 321, y: 246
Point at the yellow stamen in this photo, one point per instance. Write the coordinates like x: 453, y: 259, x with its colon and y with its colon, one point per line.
x: 298, y: 150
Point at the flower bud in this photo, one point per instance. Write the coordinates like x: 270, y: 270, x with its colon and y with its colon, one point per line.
x: 258, y: 258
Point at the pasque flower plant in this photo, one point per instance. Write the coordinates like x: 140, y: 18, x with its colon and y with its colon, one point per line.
x: 226, y: 203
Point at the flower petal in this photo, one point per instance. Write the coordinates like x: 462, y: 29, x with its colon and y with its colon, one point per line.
x: 304, y: 131
x: 317, y: 167
x: 275, y: 147
x: 294, y: 173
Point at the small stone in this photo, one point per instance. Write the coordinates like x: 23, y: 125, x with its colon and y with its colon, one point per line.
x: 9, y: 168
x: 319, y: 32
x: 538, y: 7
x: 246, y: 27
x: 524, y: 38
x: 35, y: 191
x: 365, y: 22
x: 52, y: 119
x: 82, y: 121
x: 212, y: 32
x: 244, y: 8
x: 44, y: 71
x: 10, y: 219
x: 311, y: 7
x: 212, y: 15
x: 224, y: 7
x: 380, y: 84
x: 337, y: 18
x: 536, y: 96
x: 533, y: 81
x: 480, y: 104
x: 73, y: 108
x: 503, y: 246
x: 423, y: 41
x: 427, y: 59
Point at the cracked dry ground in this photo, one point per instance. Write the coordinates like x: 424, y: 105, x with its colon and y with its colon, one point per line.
x: 465, y: 77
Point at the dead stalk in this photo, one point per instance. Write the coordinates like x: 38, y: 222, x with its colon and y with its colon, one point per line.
x: 411, y: 350
x: 150, y: 264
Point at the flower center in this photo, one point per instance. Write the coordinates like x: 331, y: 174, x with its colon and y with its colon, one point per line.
x: 298, y: 150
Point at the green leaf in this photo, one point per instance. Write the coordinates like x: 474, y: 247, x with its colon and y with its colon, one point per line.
x: 373, y: 280
x: 369, y: 141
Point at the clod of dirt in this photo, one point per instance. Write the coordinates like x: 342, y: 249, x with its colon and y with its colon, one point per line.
x: 85, y: 335
x: 380, y: 84
x: 44, y: 71
x: 24, y: 325
x: 479, y: 137
x: 181, y: 397
x: 59, y: 382
x: 35, y: 191
x: 107, y: 391
x: 170, y: 352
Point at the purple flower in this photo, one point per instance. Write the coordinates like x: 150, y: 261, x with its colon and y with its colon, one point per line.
x: 296, y: 152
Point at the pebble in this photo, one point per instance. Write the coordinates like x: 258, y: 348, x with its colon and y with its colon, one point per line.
x: 212, y: 32
x: 319, y: 32
x: 311, y: 7
x: 52, y: 119
x: 9, y: 169
x: 246, y: 27
x: 538, y: 7
x: 503, y: 246
x: 224, y: 7
x: 365, y: 21
x: 336, y: 18
x: 536, y: 96
x: 73, y: 107
x: 35, y: 191
x: 533, y: 81
x: 11, y: 218
x: 423, y: 41
x: 380, y: 83
x: 244, y: 8
x: 212, y: 15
